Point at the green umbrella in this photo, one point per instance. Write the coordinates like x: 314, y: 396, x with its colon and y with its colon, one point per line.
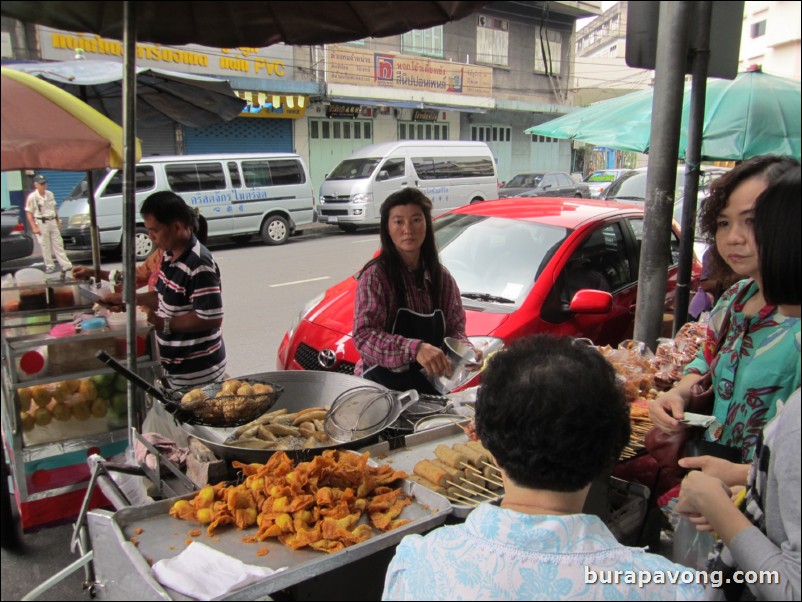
x: 754, y: 114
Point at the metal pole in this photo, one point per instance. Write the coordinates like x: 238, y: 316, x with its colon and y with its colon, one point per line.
x: 703, y: 12
x: 94, y: 233
x: 661, y: 176
x: 129, y: 197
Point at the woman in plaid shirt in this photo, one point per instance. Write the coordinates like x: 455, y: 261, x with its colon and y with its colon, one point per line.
x: 406, y: 301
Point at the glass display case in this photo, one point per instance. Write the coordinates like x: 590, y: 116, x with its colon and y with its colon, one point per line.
x: 61, y: 404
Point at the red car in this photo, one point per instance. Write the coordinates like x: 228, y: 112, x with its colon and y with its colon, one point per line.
x: 523, y: 266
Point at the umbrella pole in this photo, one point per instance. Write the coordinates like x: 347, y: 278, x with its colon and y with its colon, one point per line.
x: 129, y: 200
x: 661, y: 175
x: 93, y: 230
x: 693, y: 157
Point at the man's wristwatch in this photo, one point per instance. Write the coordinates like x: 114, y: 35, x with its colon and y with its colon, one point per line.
x: 166, y: 326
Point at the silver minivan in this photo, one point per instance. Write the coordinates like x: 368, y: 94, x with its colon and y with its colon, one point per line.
x: 240, y: 195
x: 451, y: 173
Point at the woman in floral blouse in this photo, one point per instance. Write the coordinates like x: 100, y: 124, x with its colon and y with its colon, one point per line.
x: 759, y: 361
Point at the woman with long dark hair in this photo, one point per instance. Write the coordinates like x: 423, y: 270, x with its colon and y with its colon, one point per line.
x: 406, y: 302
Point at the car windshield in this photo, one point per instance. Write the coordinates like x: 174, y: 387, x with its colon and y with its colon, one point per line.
x: 525, y: 180
x: 632, y: 187
x: 601, y: 176
x: 495, y: 260
x: 354, y: 169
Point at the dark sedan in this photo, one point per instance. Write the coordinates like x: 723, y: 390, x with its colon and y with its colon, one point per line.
x: 16, y: 241
x: 544, y: 184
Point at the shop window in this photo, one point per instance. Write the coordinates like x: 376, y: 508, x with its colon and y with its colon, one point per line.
x: 489, y: 133
x: 314, y: 129
x: 492, y: 41
x: 347, y: 131
x: 423, y: 41
x: 357, y: 130
x: 335, y: 130
x: 326, y: 130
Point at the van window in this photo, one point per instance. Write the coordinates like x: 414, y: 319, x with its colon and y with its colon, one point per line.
x: 272, y: 173
x: 192, y: 177
x: 145, y: 180
x: 394, y: 168
x: 428, y: 168
x: 352, y: 169
x: 287, y: 171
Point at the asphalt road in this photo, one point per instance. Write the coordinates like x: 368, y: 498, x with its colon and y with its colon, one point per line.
x: 263, y: 289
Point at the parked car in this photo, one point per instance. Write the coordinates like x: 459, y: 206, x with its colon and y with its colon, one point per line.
x: 599, y: 180
x: 17, y: 242
x: 521, y: 266
x: 544, y: 184
x: 631, y: 188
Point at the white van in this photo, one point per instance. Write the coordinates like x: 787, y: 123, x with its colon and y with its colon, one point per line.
x: 450, y: 173
x: 240, y: 195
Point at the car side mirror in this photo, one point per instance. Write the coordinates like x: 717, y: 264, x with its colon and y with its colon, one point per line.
x: 546, y: 186
x: 589, y: 301
x: 383, y: 175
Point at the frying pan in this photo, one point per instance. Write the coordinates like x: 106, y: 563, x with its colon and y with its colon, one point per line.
x: 302, y: 389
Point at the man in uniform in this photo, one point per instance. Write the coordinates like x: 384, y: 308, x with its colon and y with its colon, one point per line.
x: 42, y: 213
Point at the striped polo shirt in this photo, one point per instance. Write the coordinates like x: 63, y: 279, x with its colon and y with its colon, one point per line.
x: 190, y: 283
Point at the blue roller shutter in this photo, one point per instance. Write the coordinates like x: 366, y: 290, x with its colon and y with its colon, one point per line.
x: 240, y: 136
x: 61, y: 183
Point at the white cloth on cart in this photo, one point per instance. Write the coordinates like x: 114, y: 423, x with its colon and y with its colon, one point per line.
x: 204, y: 573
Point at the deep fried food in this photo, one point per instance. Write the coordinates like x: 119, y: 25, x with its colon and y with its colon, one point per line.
x: 316, y: 504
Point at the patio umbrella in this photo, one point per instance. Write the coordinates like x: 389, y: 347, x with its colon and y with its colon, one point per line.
x: 44, y: 127
x: 236, y: 24
x: 754, y: 114
x: 162, y: 96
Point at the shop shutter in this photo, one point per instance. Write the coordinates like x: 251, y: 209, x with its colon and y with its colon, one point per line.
x: 240, y: 136
x: 157, y: 140
x: 60, y: 183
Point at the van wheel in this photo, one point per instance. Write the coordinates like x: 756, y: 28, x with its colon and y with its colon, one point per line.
x: 348, y: 227
x: 476, y: 200
x: 275, y: 230
x: 143, y: 246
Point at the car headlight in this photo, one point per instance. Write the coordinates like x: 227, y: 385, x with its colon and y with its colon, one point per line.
x: 362, y: 197
x: 308, y: 306
x: 80, y: 220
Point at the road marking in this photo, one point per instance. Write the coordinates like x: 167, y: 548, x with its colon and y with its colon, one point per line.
x: 300, y: 281
x: 373, y: 240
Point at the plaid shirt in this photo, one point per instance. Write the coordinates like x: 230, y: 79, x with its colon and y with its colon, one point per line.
x: 376, y: 308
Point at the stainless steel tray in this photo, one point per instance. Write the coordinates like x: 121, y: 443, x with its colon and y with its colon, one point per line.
x: 123, y: 567
x: 403, y: 453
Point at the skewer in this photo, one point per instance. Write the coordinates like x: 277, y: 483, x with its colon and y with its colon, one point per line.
x: 465, y: 501
x: 491, y: 465
x: 481, y: 474
x: 491, y: 497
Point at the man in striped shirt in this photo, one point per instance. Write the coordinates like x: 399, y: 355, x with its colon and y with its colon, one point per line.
x: 187, y: 306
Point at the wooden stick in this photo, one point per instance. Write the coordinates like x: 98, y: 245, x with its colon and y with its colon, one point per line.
x: 491, y: 497
x: 491, y: 465
x: 484, y: 476
x: 465, y: 501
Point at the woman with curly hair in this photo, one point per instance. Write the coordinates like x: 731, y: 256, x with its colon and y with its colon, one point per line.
x: 758, y: 360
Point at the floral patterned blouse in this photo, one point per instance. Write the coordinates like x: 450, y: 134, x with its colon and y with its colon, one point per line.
x: 758, y: 365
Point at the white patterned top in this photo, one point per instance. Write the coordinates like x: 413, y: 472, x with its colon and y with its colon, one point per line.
x: 500, y: 554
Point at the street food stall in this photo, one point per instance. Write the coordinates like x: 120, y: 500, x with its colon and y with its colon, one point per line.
x: 59, y: 403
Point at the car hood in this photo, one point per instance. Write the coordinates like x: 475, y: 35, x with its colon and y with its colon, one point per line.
x: 336, y: 313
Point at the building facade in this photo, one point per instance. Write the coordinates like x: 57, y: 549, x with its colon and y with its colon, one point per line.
x: 486, y: 77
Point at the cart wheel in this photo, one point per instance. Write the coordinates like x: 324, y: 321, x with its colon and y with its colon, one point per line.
x: 9, y: 536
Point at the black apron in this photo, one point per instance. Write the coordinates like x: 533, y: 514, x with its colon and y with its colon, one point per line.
x: 430, y: 328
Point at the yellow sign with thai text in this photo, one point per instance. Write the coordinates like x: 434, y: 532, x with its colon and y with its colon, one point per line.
x: 366, y: 68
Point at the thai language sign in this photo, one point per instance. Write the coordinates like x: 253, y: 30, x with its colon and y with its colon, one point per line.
x: 274, y: 62
x: 367, y: 68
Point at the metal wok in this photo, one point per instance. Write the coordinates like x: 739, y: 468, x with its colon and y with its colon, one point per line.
x: 302, y: 389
